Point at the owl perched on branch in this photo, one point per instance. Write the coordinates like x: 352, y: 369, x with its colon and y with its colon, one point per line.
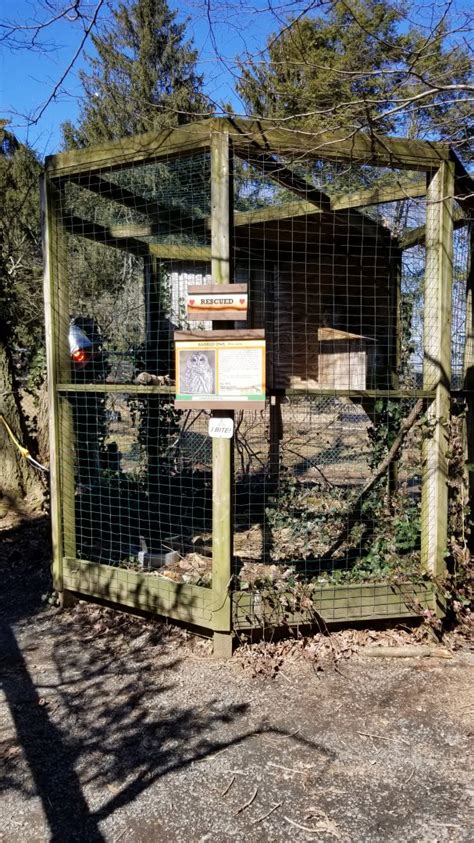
x: 197, y: 377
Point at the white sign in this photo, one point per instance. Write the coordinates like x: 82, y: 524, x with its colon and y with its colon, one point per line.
x: 221, y: 428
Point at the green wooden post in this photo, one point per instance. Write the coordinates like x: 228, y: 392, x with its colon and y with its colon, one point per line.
x: 61, y: 428
x: 469, y: 378
x: 222, y: 449
x: 437, y: 365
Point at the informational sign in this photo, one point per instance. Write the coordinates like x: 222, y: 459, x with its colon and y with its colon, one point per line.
x: 217, y: 302
x: 221, y: 428
x: 220, y: 369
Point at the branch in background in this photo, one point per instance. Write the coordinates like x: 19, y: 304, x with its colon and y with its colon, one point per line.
x: 355, y: 515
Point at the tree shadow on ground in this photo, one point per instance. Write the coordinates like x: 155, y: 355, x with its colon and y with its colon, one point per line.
x: 95, y: 701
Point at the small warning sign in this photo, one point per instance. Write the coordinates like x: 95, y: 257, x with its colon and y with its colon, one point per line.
x: 221, y: 428
x: 217, y: 302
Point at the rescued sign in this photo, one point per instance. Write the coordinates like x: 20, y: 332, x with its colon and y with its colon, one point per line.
x: 214, y: 302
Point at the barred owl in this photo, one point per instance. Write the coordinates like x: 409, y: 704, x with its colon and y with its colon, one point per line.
x: 197, y: 377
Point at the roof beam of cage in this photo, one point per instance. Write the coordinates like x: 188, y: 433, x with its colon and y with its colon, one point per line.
x: 272, y: 213
x: 403, y: 189
x: 360, y: 199
x: 126, y: 243
x: 351, y: 146
x: 417, y: 236
x: 163, y: 218
x: 99, y: 234
x: 464, y: 186
x: 285, y: 177
x: 112, y: 155
x: 321, y: 202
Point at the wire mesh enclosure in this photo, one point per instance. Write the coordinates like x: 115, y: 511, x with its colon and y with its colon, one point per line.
x: 332, y: 502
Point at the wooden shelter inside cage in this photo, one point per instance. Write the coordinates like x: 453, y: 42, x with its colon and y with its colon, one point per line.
x: 333, y: 500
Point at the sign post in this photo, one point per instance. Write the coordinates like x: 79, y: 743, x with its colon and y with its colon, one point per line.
x: 222, y: 449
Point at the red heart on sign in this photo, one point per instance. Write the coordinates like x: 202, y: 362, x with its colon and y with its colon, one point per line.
x: 191, y: 301
x: 242, y: 301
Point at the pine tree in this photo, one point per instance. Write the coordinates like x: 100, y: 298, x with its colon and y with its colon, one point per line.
x: 361, y: 66
x: 143, y: 76
x: 21, y: 311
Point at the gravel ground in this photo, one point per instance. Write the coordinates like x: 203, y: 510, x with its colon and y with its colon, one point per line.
x: 119, y: 729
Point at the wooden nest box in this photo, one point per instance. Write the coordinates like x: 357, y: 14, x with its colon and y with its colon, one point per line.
x: 343, y: 359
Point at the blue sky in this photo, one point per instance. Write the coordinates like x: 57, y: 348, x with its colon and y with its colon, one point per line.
x: 235, y: 28
x: 27, y: 77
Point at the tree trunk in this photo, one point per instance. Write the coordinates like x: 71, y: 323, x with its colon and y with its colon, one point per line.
x: 21, y: 489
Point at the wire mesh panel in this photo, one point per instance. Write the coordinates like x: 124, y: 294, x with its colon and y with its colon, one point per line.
x: 142, y: 484
x: 355, y: 276
x: 128, y: 233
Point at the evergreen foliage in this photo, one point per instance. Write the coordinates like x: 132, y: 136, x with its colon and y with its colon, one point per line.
x: 361, y: 67
x: 21, y: 306
x: 143, y: 76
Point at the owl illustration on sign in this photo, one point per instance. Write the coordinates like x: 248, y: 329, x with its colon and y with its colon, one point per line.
x: 197, y: 377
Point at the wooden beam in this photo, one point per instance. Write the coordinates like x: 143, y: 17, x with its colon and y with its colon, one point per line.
x: 275, y: 212
x: 437, y: 366
x: 288, y: 179
x: 222, y: 449
x: 152, y: 146
x: 469, y: 380
x: 404, y: 189
x: 417, y: 236
x: 379, y: 195
x: 121, y: 388
x: 184, y: 252
x: 163, y: 219
x: 350, y: 146
x: 463, y: 186
x: 100, y: 234
x: 61, y: 446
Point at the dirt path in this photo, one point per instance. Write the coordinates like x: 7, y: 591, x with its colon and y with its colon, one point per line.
x: 115, y: 729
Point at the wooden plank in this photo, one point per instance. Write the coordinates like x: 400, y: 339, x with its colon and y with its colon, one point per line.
x: 355, y: 393
x: 124, y: 388
x: 68, y: 485
x: 163, y: 219
x: 288, y: 179
x: 151, y: 146
x: 339, y: 603
x: 100, y: 234
x: 351, y: 146
x: 222, y: 449
x: 288, y: 210
x: 437, y: 366
x: 417, y: 236
x: 469, y: 380
x: 58, y: 365
x: 404, y: 189
x: 220, y: 334
x: 184, y: 252
x: 180, y: 601
x: 169, y: 390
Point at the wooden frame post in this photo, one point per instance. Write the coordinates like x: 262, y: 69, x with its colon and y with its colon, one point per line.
x: 222, y: 449
x: 437, y: 365
x: 61, y: 426
x: 469, y: 378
